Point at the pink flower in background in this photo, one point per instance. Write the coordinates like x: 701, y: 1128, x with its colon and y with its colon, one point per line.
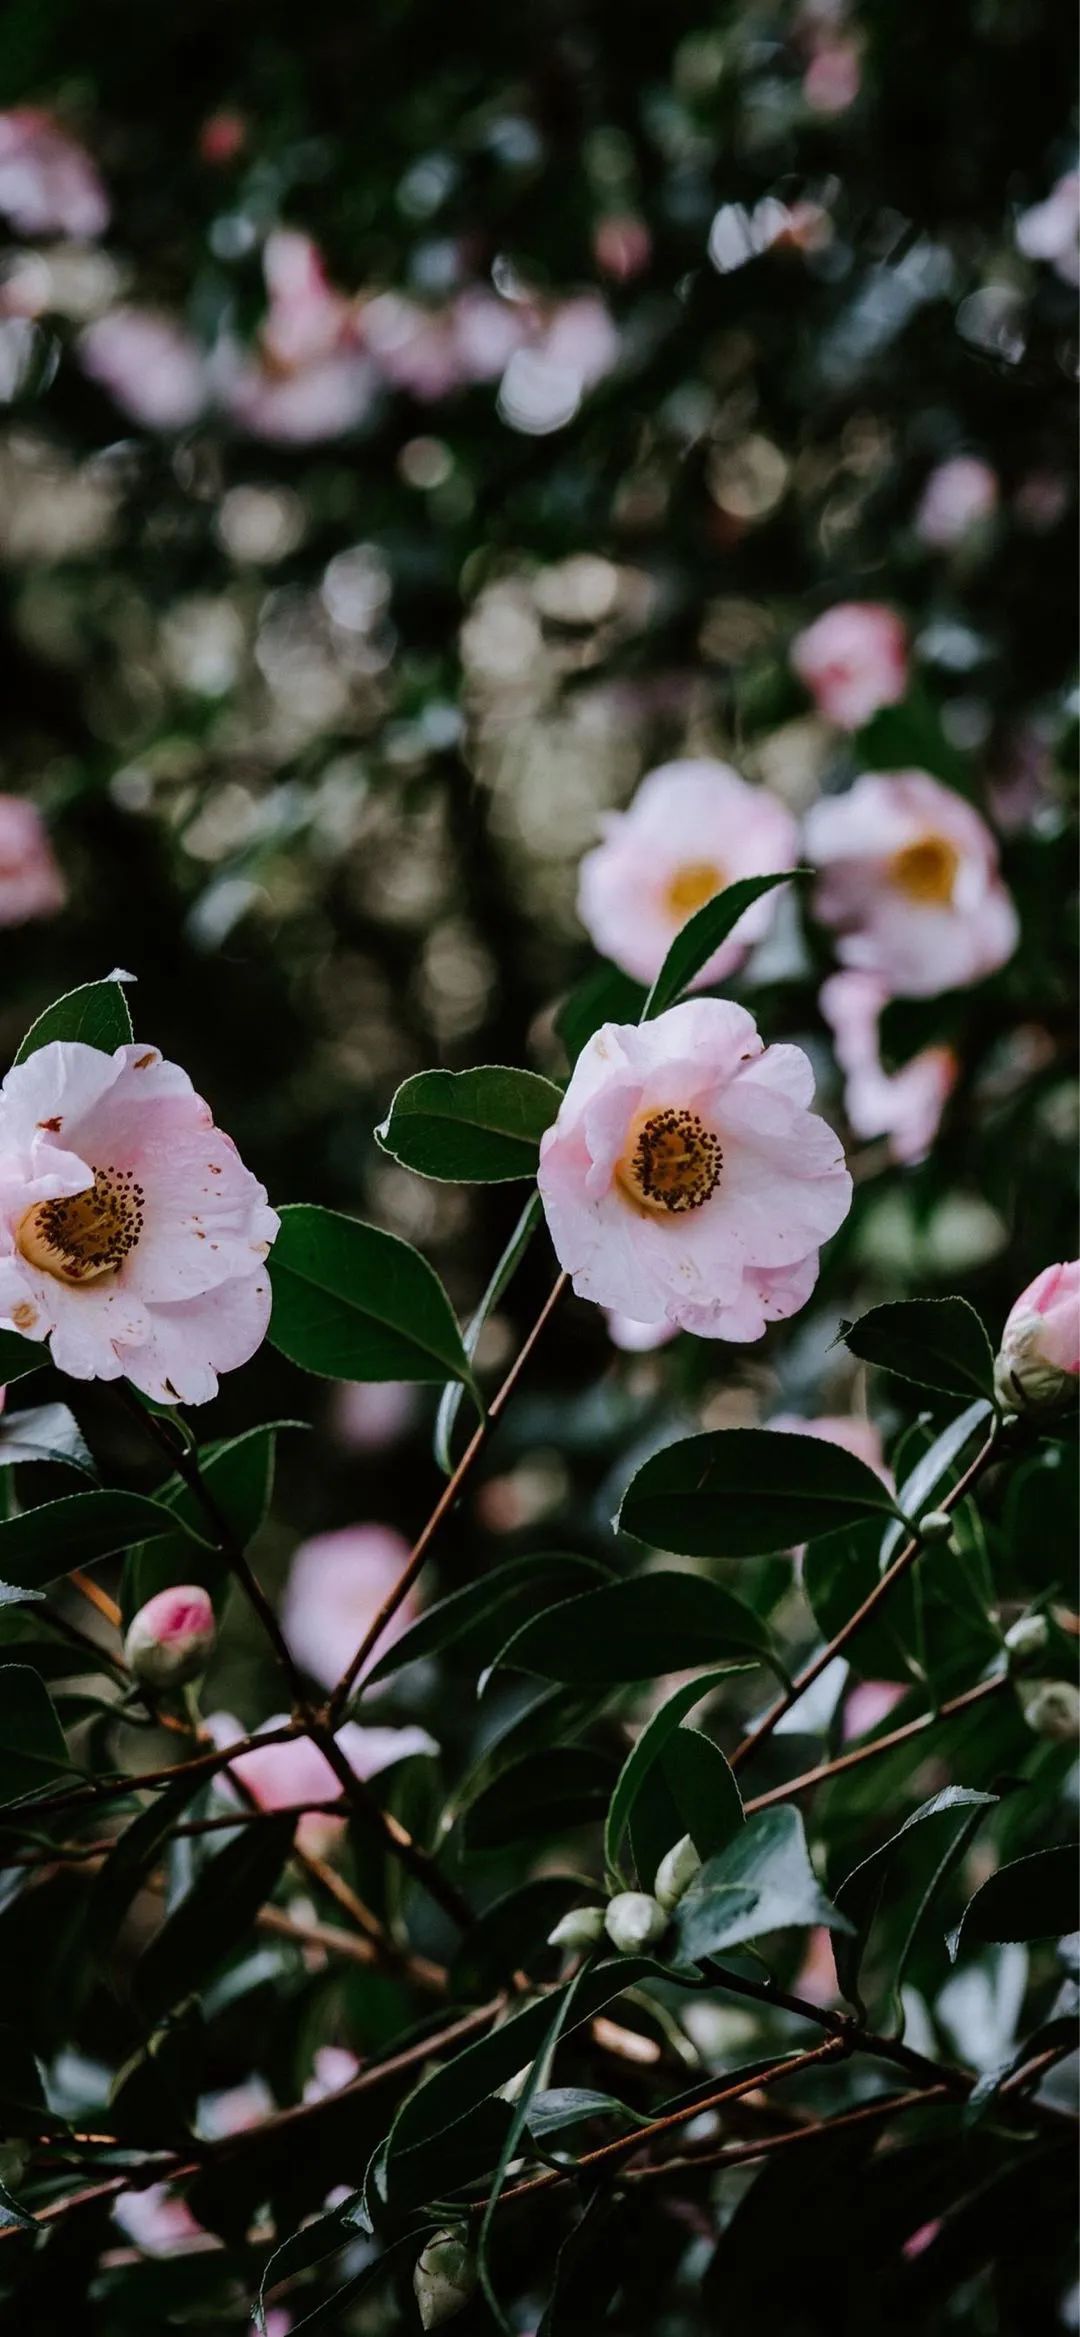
x: 307, y: 377
x: 853, y: 660
x: 48, y: 184
x: 622, y: 245
x: 816, y: 1978
x: 685, y: 1179
x: 909, y: 878
x: 1051, y: 230
x: 132, y: 1237
x: 415, y: 348
x: 337, y: 1582
x: 281, y: 1775
x: 222, y: 137
x: 906, y: 1105
x: 861, y: 1437
x: 571, y: 349
x: 959, y: 496
x: 159, y: 2221
x: 30, y: 881
x: 832, y: 79
x: 692, y: 828
x: 1039, y: 1363
x: 367, y: 1415
x: 332, y: 2067
x: 487, y: 330
x: 150, y: 364
x: 870, y: 1702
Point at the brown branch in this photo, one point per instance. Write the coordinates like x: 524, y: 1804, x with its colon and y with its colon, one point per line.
x: 901, y: 1565
x: 885, y: 1744
x: 95, y: 1597
x: 733, y: 2154
x: 443, y: 1506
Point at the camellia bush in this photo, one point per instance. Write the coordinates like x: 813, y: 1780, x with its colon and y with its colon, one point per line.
x: 538, y: 1703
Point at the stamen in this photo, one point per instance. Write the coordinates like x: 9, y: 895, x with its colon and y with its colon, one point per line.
x: 926, y: 870
x: 673, y: 1164
x: 691, y: 886
x: 81, y: 1237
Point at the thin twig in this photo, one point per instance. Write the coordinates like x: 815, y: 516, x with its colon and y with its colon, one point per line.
x: 95, y: 1597
x: 885, y: 1744
x: 734, y: 2153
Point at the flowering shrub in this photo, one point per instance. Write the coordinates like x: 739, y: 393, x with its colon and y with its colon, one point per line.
x: 538, y: 1706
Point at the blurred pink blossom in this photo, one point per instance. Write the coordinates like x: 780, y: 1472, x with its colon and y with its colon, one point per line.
x: 336, y: 1584
x: 816, y: 1978
x: 959, y: 496
x: 906, y: 1105
x: 854, y: 1435
x: 280, y: 1775
x: 869, y: 1703
x: 853, y: 660
x: 149, y: 363
x: 832, y: 79
x: 307, y: 376
x: 48, y: 184
x: 367, y: 1415
x: 909, y: 878
x: 1051, y: 230
x: 30, y: 881
x: 332, y: 2067
x: 691, y: 830
x: 159, y: 2221
x: 686, y: 1180
x: 622, y: 245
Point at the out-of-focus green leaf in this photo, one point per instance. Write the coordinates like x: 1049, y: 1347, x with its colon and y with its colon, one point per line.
x: 352, y: 1302
x: 470, y: 1127
x: 322, y: 2237
x: 730, y: 1494
x: 41, y: 1545
x: 96, y: 1015
x: 636, y: 1629
x: 239, y: 1474
x: 763, y: 1881
x: 18, y: 1356
x: 23, y: 2108
x: 1032, y: 1898
x: 605, y: 995
x: 647, y: 1750
x: 701, y: 936
x: 544, y: 1793
x: 213, y: 1917
x: 33, y: 1752
x: 859, y: 1895
x: 511, y: 1934
x: 477, y: 1620
x: 937, y: 1342
x: 133, y: 1854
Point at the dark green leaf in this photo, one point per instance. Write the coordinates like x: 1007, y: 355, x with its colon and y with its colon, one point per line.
x: 356, y: 2286
x: 763, y: 1881
x: 647, y: 1749
x: 33, y: 1753
x: 44, y: 1432
x: 636, y: 1629
x: 1033, y: 1898
x: 479, y: 1619
x: 133, y: 1854
x: 859, y: 1895
x: 731, y: 1494
x: 18, y: 1356
x: 213, y: 1917
x: 97, y: 1015
x: 12, y: 2213
x: 543, y: 1794
x: 687, y: 1791
x: 42, y: 1544
x: 470, y: 1127
x: 354, y: 1303
x: 937, y: 1342
x: 450, y: 1400
x: 22, y: 2095
x: 935, y: 1470
x: 605, y: 995
x: 701, y: 936
x: 560, y: 2016
x: 511, y: 1934
x: 322, y: 2237
x: 239, y: 1473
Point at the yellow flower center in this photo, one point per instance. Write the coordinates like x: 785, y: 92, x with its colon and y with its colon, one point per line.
x: 82, y: 1237
x: 672, y: 1163
x: 926, y: 870
x: 691, y: 886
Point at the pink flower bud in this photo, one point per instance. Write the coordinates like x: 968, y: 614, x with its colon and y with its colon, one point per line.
x: 171, y: 1637
x: 1039, y: 1363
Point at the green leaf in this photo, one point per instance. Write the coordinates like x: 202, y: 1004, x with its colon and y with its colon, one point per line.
x: 935, y: 1469
x: 511, y: 1934
x: 477, y: 1127
x: 701, y: 936
x: 560, y: 2016
x: 636, y: 1629
x: 44, y: 1432
x: 1033, y: 1898
x: 213, y: 1917
x: 605, y: 995
x: 937, y: 1342
x: 355, y: 2287
x: 18, y: 1356
x: 733, y: 1494
x: 647, y: 1750
x: 239, y: 1473
x: 23, y: 2108
x: 322, y: 2237
x: 131, y: 1858
x: 450, y: 1400
x: 859, y: 1895
x: 96, y: 1014
x: 33, y: 1752
x: 12, y: 2213
x: 763, y: 1881
x: 544, y: 1793
x: 42, y: 1544
x: 353, y: 1303
x: 478, y: 1619
x: 687, y: 1791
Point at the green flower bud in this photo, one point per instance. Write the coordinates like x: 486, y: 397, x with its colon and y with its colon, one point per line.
x: 1027, y: 1638
x: 1054, y: 1712
x: 634, y: 1920
x: 675, y: 1873
x: 936, y: 1526
x: 581, y: 1928
x: 444, y: 2279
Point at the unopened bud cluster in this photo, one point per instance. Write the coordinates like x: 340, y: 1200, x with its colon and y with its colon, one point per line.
x: 632, y: 1920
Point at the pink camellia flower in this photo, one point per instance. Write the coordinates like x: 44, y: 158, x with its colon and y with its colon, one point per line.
x: 132, y: 1237
x: 622, y: 245
x: 685, y: 1179
x: 332, y: 2067
x: 870, y: 1702
x: 853, y: 661
x: 150, y: 364
x: 691, y: 829
x: 832, y: 78
x: 30, y: 881
x: 1038, y: 1368
x: 368, y: 1415
x: 415, y: 348
x: 638, y: 1338
x: 172, y: 1637
x: 48, y: 184
x: 1051, y: 230
x: 959, y: 496
x: 337, y: 1583
x: 307, y: 377
x: 158, y: 2221
x: 904, y: 1106
x: 280, y: 1776
x: 909, y: 877
x: 861, y: 1437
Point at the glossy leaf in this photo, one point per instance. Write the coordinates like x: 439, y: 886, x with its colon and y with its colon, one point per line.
x: 1032, y: 1898
x: 560, y: 2017
x: 859, y: 1895
x: 19, y: 1356
x: 937, y: 1342
x: 763, y: 1881
x: 239, y: 1475
x: 96, y: 1014
x: 130, y: 1860
x: 637, y: 1629
x: 477, y: 1620
x: 545, y: 1793
x: 470, y: 1127
x: 33, y: 1752
x: 44, y: 1432
x: 934, y: 1473
x: 213, y: 1917
x: 647, y: 1750
x: 42, y: 1544
x: 730, y: 1494
x: 354, y: 1303
x: 687, y: 1791
x: 701, y: 936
